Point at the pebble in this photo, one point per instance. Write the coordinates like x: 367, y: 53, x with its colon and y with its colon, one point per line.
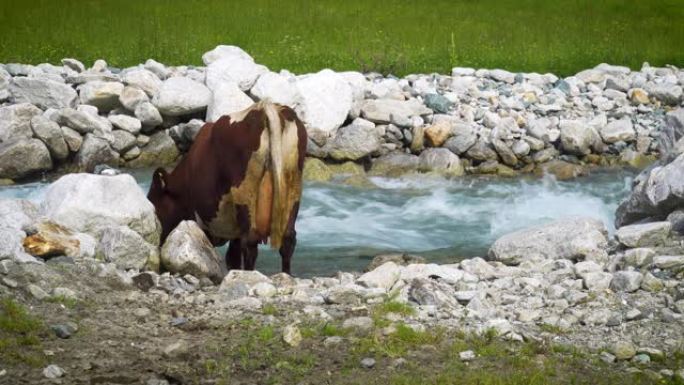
x: 37, y: 292
x: 9, y: 282
x: 176, y: 349
x: 642, y: 359
x: 607, y: 357
x: 623, y: 350
x: 368, y: 363
x: 292, y: 336
x: 53, y: 372
x: 467, y: 355
x: 178, y: 321
x: 65, y: 330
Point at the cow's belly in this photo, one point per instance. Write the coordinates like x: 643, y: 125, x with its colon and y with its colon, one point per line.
x: 224, y: 224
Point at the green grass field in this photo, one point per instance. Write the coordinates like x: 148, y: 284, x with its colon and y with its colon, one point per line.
x: 391, y: 36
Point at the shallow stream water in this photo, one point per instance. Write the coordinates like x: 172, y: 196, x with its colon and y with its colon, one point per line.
x: 342, y: 227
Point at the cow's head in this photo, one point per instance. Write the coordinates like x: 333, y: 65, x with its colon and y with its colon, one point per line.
x: 165, y: 204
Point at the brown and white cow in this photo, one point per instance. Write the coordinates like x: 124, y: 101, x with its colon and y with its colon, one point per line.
x: 241, y: 181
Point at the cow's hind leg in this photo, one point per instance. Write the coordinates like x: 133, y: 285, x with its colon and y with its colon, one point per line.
x: 234, y: 255
x: 289, y: 240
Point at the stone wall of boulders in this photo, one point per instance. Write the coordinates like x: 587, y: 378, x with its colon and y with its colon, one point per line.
x: 481, y: 121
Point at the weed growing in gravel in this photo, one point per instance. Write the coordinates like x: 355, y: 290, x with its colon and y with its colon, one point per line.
x: 19, y: 334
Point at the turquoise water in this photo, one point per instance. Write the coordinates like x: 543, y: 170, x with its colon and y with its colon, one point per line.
x: 342, y: 227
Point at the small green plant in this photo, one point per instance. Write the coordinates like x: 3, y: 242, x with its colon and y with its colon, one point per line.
x: 19, y: 334
x: 68, y: 302
x: 269, y: 309
x: 553, y: 329
x: 266, y: 333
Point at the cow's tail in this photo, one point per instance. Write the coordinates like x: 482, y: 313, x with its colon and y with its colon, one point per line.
x: 277, y: 166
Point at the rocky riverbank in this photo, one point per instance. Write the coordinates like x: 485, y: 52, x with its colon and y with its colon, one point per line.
x: 86, y: 259
x: 476, y: 121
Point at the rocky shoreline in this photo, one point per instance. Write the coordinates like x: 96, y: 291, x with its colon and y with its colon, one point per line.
x: 619, y: 299
x: 475, y: 121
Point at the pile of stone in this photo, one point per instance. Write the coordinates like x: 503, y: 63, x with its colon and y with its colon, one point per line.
x: 490, y: 121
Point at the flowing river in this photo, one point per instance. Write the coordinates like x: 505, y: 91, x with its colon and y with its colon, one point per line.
x: 342, y: 227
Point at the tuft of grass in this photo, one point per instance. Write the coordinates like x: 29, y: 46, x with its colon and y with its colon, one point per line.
x: 396, y: 307
x: 553, y: 329
x: 269, y: 309
x: 69, y: 303
x: 389, y: 36
x: 19, y: 334
x: 331, y: 330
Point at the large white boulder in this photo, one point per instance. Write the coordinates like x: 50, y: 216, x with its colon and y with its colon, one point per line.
x: 618, y: 130
x: 577, y: 137
x: 227, y: 98
x: 574, y: 239
x: 276, y: 87
x: 181, y: 96
x: 324, y: 101
x: 127, y: 249
x: 355, y: 141
x: 188, y: 251
x: 91, y: 203
x: 223, y: 51
x: 234, y: 68
x: 143, y: 79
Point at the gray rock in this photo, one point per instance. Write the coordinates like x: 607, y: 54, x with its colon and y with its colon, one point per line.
x: 148, y: 115
x: 11, y: 246
x: 24, y: 158
x: 15, y: 122
x: 65, y: 330
x: 160, y: 150
x: 394, y: 163
x: 43, y: 93
x: 157, y: 68
x: 667, y: 93
x: 427, y: 292
x: 676, y: 219
x: 95, y: 151
x: 618, y: 130
x: 437, y: 103
x: 292, y: 335
x: 53, y: 372
x: 84, y: 122
x: 623, y: 350
x: 505, y: 152
x: 368, y: 363
x: 132, y: 96
x: 577, y: 137
x: 126, y: 123
x: 17, y: 213
x: 142, y: 79
x: 467, y: 356
x: 481, y: 151
x: 647, y: 234
x: 384, y: 276
x: 574, y: 239
x: 597, y: 281
x: 638, y: 257
x: 186, y: 132
x: 103, y: 95
x: 669, y: 262
x: 358, y: 324
x: 657, y: 193
x: 398, y: 259
x: 37, y: 292
x: 123, y: 141
x: 380, y: 110
x: 626, y: 281
x: 440, y: 160
x: 651, y: 283
x: 73, y: 64
x: 181, y: 96
x: 92, y: 203
x: 188, y: 251
x: 72, y: 138
x: 355, y: 141
x: 463, y: 138
x: 51, y: 134
x: 127, y: 249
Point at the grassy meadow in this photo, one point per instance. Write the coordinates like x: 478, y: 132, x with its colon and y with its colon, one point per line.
x: 390, y: 36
